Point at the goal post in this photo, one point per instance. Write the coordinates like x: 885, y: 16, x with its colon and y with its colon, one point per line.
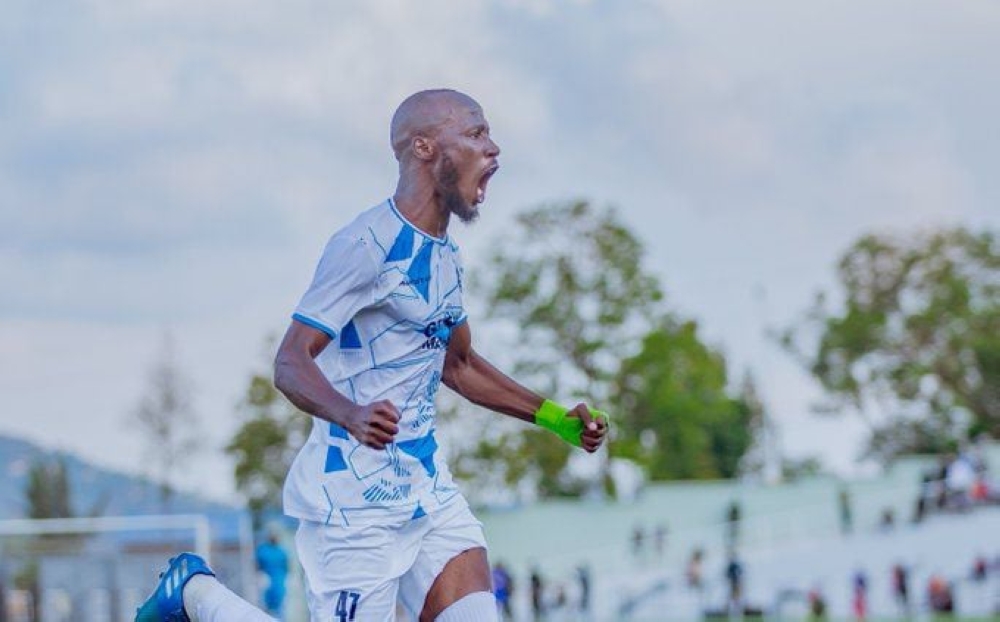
x: 197, y: 523
x: 98, y: 569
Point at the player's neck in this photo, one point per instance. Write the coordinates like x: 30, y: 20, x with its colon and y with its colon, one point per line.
x: 421, y: 208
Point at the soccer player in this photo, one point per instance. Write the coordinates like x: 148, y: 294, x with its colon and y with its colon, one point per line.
x: 381, y: 326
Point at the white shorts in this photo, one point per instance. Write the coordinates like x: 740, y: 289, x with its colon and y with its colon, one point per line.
x: 357, y: 573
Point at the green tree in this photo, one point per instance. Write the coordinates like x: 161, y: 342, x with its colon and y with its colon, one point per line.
x: 568, y: 280
x: 265, y: 444
x: 47, y: 495
x: 571, y: 277
x: 915, y: 345
x: 47, y: 491
x: 166, y: 418
x: 675, y: 416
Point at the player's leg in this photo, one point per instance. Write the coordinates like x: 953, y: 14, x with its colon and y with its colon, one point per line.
x: 189, y: 592
x: 208, y: 600
x: 450, y: 579
x: 462, y: 592
x: 352, y: 573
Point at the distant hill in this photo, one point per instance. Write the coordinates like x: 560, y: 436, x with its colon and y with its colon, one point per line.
x: 97, y: 490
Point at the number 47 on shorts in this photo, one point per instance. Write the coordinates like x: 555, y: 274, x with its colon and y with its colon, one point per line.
x: 347, y: 606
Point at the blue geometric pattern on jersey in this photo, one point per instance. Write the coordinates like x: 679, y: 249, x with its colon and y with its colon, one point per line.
x: 337, y: 432
x: 417, y: 513
x: 444, y: 492
x: 406, y: 293
x: 400, y: 471
x: 386, y: 491
x: 349, y: 337
x: 329, y: 501
x: 365, y: 461
x: 402, y: 248
x: 420, y: 270
x: 422, y: 449
x: 421, y: 399
x: 389, y: 334
x: 334, y: 460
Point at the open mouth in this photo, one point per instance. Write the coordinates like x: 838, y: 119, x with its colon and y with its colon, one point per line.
x: 484, y: 180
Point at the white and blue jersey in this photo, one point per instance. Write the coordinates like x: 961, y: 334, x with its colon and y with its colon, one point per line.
x: 388, y: 295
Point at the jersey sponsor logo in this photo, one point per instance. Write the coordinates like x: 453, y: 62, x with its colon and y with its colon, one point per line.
x: 438, y: 333
x: 417, y: 282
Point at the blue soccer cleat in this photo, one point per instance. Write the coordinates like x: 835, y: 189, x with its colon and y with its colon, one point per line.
x: 166, y: 603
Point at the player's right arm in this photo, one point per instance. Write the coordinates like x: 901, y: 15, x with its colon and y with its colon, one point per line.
x: 344, y: 283
x: 300, y: 379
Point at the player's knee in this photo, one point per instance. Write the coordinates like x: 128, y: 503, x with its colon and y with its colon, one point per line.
x: 474, y: 607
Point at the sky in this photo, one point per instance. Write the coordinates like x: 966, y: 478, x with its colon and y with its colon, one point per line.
x: 175, y: 167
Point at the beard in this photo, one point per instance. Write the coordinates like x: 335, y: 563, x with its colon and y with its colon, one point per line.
x: 446, y: 187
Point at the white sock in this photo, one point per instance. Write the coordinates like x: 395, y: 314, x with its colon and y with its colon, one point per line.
x: 474, y: 607
x: 207, y: 600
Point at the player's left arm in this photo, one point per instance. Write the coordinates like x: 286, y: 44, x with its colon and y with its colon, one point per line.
x: 474, y: 378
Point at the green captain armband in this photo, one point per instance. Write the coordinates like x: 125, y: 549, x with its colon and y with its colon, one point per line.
x: 552, y: 416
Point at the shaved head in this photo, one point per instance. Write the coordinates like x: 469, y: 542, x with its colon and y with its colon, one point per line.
x: 446, y: 156
x: 423, y: 114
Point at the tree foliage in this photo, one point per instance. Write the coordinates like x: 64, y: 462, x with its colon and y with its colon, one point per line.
x: 570, y: 277
x: 916, y: 339
x: 265, y: 444
x: 48, y: 494
x: 675, y: 416
x: 47, y: 490
x: 166, y: 418
x: 589, y: 325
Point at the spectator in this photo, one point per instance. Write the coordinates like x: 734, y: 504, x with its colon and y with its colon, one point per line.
x: 733, y: 515
x: 939, y: 595
x: 503, y: 589
x: 888, y: 520
x: 537, y: 593
x: 638, y: 539
x: 980, y: 492
x: 959, y: 479
x: 559, y: 602
x: 984, y: 491
x: 734, y: 577
x: 660, y: 539
x: 693, y: 572
x: 272, y: 561
x: 940, y: 488
x: 817, y: 605
x: 923, y: 497
x: 860, y: 599
x: 583, y: 578
x: 901, y: 589
x: 974, y: 454
x: 979, y: 569
x: 844, y: 506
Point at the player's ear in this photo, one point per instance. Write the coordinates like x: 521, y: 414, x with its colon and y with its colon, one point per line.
x: 423, y: 147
